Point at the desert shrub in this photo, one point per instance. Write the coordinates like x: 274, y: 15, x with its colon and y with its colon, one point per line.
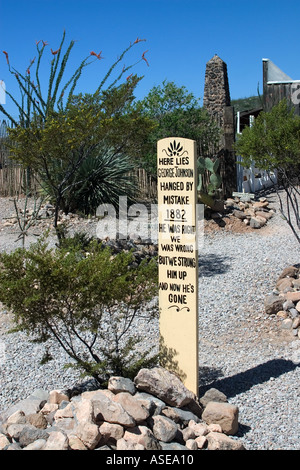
x: 86, y: 300
x: 78, y: 241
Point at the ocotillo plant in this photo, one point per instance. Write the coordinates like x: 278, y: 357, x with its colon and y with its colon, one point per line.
x: 34, y: 101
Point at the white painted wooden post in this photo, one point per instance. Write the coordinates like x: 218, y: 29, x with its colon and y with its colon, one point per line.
x: 178, y: 258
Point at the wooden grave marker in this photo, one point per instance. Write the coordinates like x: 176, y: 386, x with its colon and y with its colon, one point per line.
x: 178, y: 258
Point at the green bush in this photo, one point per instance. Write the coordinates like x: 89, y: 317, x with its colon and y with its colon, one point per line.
x: 87, y: 301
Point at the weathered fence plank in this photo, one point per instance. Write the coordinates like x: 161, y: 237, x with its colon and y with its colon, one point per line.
x: 12, y: 182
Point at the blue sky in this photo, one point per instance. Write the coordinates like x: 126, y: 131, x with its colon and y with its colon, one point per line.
x: 181, y: 36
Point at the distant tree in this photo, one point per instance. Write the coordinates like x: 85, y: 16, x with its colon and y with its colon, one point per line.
x: 245, y: 104
x: 176, y: 112
x: 273, y: 143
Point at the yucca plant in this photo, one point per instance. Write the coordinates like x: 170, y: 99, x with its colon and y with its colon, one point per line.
x: 101, y: 179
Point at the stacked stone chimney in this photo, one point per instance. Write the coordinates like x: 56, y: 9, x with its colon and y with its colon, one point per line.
x: 216, y: 101
x: 216, y: 89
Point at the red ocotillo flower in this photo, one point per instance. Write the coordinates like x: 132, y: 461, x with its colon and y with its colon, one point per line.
x: 97, y: 55
x: 144, y: 58
x: 55, y: 52
x: 37, y: 42
x: 6, y: 55
x: 45, y: 43
x: 129, y: 76
x: 138, y: 40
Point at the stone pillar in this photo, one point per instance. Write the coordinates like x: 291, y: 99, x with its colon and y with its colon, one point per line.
x: 216, y: 101
x: 216, y: 89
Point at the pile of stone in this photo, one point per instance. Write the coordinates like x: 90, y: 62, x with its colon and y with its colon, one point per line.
x: 141, y: 248
x: 254, y: 213
x: 41, y: 217
x: 155, y: 411
x: 284, y: 301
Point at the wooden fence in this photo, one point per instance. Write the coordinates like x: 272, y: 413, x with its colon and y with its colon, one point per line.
x: 12, y: 182
x: 147, y: 185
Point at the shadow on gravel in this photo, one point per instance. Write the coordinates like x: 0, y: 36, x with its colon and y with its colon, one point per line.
x: 210, y: 265
x: 243, y: 381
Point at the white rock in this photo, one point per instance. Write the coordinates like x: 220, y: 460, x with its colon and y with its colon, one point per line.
x: 3, y: 441
x: 39, y: 444
x: 16, y: 418
x: 191, y: 444
x: 56, y: 441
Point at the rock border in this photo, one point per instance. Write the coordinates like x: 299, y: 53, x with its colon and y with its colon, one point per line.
x: 254, y: 213
x: 153, y: 412
x: 284, y: 301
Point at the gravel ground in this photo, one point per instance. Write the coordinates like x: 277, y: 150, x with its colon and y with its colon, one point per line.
x: 242, y: 351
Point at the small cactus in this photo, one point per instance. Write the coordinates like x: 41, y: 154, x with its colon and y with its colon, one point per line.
x: 215, y: 181
x: 205, y: 165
